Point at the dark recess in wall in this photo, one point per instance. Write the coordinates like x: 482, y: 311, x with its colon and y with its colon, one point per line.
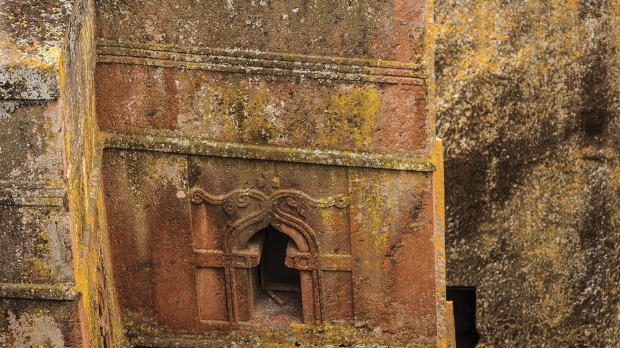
x: 464, y: 302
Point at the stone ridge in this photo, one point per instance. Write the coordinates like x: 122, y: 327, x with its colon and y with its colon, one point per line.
x: 263, y: 63
x: 200, y: 146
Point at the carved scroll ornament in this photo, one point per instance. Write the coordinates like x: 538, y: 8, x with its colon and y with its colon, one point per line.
x: 241, y: 198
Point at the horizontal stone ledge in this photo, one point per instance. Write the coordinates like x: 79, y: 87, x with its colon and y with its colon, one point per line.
x: 106, y: 44
x: 183, y: 342
x: 201, y: 146
x: 28, y: 193
x: 219, y: 259
x: 257, y: 70
x: 244, y: 335
x: 58, y: 292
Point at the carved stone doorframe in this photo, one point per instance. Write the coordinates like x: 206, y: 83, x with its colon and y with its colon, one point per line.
x: 285, y: 211
x: 309, y: 272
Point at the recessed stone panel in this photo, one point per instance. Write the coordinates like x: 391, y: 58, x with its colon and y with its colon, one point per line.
x: 270, y: 110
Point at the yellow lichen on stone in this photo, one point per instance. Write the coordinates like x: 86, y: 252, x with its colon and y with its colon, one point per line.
x: 547, y: 241
x: 249, y: 113
x: 353, y: 114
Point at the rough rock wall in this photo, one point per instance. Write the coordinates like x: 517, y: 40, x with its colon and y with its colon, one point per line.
x: 38, y: 305
x: 52, y: 278
x: 82, y: 163
x: 529, y: 112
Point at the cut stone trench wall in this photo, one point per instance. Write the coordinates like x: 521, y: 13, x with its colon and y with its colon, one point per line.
x: 53, y: 276
x: 528, y: 106
x: 39, y: 305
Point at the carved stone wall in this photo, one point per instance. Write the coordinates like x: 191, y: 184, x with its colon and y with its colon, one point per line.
x: 167, y: 232
x: 38, y: 303
x: 312, y: 118
x: 150, y: 148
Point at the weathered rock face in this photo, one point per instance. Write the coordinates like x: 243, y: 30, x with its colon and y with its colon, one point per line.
x: 528, y: 107
x: 38, y: 306
x: 31, y: 42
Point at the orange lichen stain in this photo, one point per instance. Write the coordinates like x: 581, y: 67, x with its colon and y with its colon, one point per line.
x: 248, y: 112
x: 304, y: 335
x: 82, y: 156
x: 253, y: 112
x: 376, y: 210
x: 444, y: 314
x: 488, y: 44
x: 329, y: 216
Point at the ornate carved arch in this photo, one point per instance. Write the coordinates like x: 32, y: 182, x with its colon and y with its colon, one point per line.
x: 281, y: 207
x: 251, y: 210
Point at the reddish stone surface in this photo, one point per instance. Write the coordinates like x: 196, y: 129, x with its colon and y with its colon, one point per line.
x: 193, y: 235
x: 179, y: 259
x: 376, y: 29
x: 263, y: 110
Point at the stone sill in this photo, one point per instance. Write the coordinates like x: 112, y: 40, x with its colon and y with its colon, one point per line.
x: 59, y: 291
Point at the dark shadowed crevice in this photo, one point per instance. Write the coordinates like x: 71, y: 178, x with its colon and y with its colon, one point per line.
x: 464, y: 302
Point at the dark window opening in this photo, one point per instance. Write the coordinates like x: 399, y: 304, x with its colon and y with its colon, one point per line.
x: 278, y: 292
x: 464, y: 302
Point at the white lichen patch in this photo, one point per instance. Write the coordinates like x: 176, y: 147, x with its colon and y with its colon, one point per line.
x: 34, y: 330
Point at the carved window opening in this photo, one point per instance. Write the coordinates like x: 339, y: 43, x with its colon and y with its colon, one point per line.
x: 277, y: 301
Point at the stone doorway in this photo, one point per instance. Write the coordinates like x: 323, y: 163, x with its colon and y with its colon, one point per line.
x: 277, y: 302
